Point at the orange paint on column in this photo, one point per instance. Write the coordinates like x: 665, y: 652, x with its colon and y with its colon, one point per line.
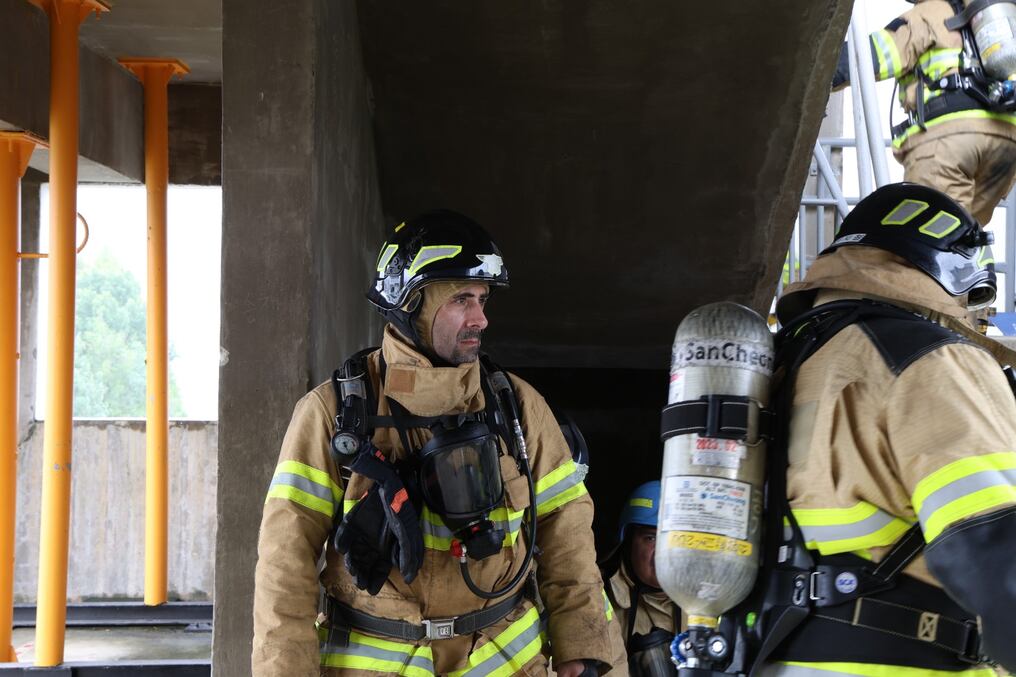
x: 155, y: 75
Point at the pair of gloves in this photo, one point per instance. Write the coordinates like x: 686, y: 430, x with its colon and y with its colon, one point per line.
x: 383, y: 529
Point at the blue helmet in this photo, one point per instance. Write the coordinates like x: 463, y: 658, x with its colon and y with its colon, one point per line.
x: 641, y: 508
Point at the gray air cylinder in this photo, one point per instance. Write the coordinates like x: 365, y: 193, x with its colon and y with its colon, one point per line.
x: 707, y: 546
x: 994, y: 29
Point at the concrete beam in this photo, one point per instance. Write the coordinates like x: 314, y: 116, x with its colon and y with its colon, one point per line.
x: 633, y: 161
x: 112, y: 129
x: 195, y: 134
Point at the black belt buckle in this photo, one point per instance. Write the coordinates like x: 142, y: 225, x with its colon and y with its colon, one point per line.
x: 713, y: 407
x: 972, y: 645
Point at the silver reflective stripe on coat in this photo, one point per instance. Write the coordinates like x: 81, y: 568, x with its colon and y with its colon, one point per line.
x: 964, y: 487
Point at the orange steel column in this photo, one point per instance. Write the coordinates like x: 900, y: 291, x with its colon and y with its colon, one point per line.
x: 15, y: 149
x: 64, y: 18
x: 155, y: 75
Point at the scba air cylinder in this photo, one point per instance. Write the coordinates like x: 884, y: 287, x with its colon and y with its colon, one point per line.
x: 707, y: 546
x: 994, y: 29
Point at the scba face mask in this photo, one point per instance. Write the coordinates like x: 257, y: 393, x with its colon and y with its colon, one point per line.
x: 460, y: 479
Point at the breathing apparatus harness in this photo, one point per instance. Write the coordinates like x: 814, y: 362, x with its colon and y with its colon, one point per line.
x: 971, y: 87
x: 456, y: 474
x: 792, y: 585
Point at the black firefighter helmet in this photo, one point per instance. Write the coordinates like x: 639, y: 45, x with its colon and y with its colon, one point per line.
x: 929, y: 230
x: 439, y: 245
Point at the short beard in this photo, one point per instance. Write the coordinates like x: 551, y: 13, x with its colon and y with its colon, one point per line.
x: 464, y: 355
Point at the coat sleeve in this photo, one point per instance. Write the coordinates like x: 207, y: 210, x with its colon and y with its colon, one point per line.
x: 897, y: 48
x: 304, y: 495
x: 952, y: 431
x: 569, y: 581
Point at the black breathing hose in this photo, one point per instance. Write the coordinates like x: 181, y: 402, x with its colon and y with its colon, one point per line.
x: 502, y: 388
x: 530, y: 547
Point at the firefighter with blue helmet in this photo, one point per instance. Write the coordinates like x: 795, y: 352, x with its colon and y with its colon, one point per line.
x: 648, y: 618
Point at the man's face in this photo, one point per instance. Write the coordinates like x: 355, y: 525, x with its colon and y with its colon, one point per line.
x: 458, y: 325
x: 643, y: 552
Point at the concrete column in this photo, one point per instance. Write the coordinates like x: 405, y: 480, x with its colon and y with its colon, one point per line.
x: 301, y: 222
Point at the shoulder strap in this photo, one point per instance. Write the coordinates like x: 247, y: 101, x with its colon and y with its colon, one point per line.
x: 962, y: 18
x: 496, y: 383
x: 901, y: 341
x: 793, y: 583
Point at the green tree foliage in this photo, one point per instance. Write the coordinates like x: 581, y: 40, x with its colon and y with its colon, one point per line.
x: 109, y: 344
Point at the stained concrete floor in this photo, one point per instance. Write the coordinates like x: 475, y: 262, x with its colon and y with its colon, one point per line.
x: 122, y: 643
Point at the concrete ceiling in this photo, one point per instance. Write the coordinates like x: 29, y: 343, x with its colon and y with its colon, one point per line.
x: 188, y: 30
x: 633, y: 160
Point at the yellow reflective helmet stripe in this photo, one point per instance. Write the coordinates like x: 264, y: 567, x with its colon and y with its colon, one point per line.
x: 904, y: 212
x: 984, y: 257
x: 307, y: 486
x: 801, y: 669
x: 377, y: 655
x: 387, y: 252
x: 431, y: 253
x: 963, y: 489
x: 940, y: 225
x: 508, y: 652
x: 837, y: 530
x: 958, y: 115
x: 641, y: 503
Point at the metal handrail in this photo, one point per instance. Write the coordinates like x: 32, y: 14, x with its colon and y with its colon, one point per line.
x: 811, y: 213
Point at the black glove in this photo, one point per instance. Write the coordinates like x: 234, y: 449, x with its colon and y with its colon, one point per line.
x: 363, y: 537
x: 402, y: 517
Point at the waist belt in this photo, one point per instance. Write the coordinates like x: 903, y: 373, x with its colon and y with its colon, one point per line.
x: 945, y: 103
x: 959, y: 637
x: 340, y: 614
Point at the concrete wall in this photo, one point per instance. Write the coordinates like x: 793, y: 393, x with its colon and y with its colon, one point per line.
x: 301, y: 221
x: 107, y: 544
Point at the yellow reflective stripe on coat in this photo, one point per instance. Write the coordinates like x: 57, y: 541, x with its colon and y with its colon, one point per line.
x: 437, y: 535
x: 607, y: 607
x: 958, y: 115
x: 307, y: 486
x: 937, y: 62
x: 799, y: 669
x: 560, y: 485
x: 889, y: 62
x: 836, y: 530
x: 964, y: 488
x: 363, y: 652
x: 508, y: 652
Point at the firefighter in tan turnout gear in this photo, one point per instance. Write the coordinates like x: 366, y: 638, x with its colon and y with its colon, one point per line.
x: 648, y: 618
x: 955, y: 72
x: 901, y: 451
x: 421, y: 471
